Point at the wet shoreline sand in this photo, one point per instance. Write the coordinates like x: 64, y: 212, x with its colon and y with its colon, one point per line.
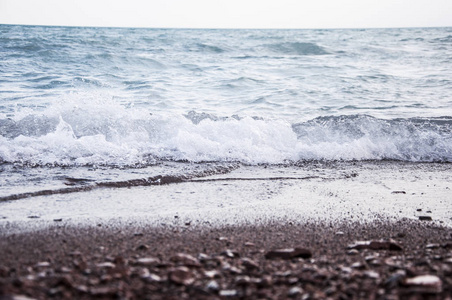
x: 212, y: 238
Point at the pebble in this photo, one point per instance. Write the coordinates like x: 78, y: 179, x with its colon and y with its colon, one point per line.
x: 432, y: 246
x: 186, y: 259
x: 212, y: 274
x: 213, y: 286
x: 182, y: 275
x: 288, y: 253
x: 42, y: 264
x: 249, y: 264
x: 352, y: 252
x: 152, y: 278
x: 376, y: 245
x: 295, y: 291
x: 425, y: 284
x: 19, y: 297
x: 230, y: 253
x: 142, y: 247
x: 106, y: 265
x: 148, y: 261
x: 425, y: 218
x: 228, y: 293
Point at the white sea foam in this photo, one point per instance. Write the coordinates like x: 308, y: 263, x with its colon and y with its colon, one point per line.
x: 106, y: 133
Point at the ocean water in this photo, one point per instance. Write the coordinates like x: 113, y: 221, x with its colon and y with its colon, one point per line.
x: 81, y: 107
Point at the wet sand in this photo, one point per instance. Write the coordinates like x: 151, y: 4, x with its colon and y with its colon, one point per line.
x: 212, y: 237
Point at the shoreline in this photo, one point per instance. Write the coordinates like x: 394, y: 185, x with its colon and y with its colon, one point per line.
x: 361, y: 191
x: 229, y: 262
x: 210, y: 238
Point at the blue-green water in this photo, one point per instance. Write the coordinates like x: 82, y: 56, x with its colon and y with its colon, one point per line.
x: 135, y: 97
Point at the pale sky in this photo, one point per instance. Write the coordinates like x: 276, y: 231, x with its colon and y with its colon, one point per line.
x: 229, y: 13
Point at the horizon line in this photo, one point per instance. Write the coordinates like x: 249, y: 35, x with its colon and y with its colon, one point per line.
x: 224, y: 28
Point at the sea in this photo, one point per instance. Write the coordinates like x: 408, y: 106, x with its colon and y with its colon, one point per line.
x: 85, y: 108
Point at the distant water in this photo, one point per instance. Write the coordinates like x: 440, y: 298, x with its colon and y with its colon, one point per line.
x: 135, y: 98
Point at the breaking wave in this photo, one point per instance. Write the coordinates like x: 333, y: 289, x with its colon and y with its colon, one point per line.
x: 109, y: 134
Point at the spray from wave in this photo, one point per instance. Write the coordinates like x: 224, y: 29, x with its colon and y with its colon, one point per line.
x: 100, y: 133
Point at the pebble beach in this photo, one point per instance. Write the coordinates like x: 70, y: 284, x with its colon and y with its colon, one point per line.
x: 311, y: 240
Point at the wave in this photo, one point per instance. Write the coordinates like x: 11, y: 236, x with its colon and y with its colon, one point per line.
x: 297, y: 48
x: 112, y: 135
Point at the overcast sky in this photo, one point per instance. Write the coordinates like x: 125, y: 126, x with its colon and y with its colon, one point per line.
x: 229, y: 13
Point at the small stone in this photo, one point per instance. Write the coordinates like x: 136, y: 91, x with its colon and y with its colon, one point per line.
x: 58, y: 220
x: 212, y: 274
x: 232, y: 269
x: 149, y: 277
x: 447, y: 246
x: 358, y: 265
x: 106, y: 265
x: 398, y: 192
x: 138, y: 234
x: 371, y: 274
x: 295, y: 291
x: 249, y: 244
x: 213, y: 286
x: 42, y: 264
x: 424, y: 284
x: 376, y: 245
x: 148, y: 261
x: 242, y: 280
x: 419, y: 209
x: 352, y: 252
x: 230, y: 253
x: 228, y: 293
x: 185, y: 259
x: 33, y: 217
x: 222, y: 238
x: 265, y: 281
x: 19, y: 297
x: 142, y: 247
x: 202, y: 257
x: 81, y: 288
x: 340, y: 233
x: 289, y: 253
x: 182, y: 275
x: 394, y: 280
x: 432, y: 246
x: 249, y: 264
x: 425, y: 218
